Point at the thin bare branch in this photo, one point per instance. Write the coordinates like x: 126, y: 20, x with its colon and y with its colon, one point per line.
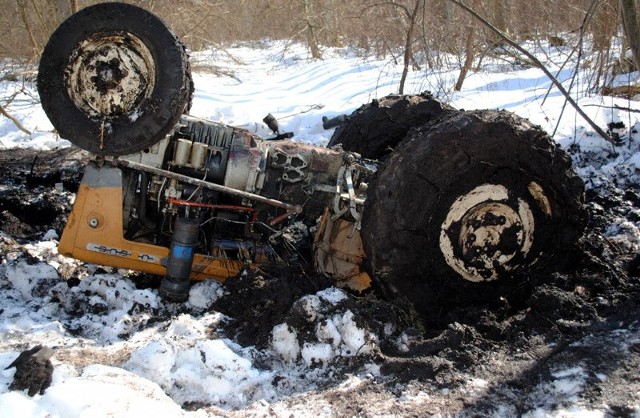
x: 402, y: 7
x: 615, y: 106
x: 578, y: 47
x: 14, y: 120
x: 538, y: 64
x: 13, y: 76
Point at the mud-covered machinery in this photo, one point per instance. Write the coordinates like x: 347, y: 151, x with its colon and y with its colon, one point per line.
x: 208, y: 200
x: 449, y: 206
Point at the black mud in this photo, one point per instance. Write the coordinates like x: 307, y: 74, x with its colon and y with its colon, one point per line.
x: 376, y: 128
x: 257, y: 300
x: 36, y: 190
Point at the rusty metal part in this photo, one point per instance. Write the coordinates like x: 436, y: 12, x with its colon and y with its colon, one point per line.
x: 278, y: 219
x: 338, y: 251
x: 245, y: 167
x: 293, y: 165
x: 110, y: 75
x: 345, y: 181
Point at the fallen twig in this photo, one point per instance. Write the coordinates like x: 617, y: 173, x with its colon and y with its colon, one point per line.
x: 13, y: 76
x: 626, y: 109
x: 14, y: 120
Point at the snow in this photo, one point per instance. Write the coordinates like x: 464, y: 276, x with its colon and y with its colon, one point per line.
x: 122, y: 351
x: 285, y: 342
x: 208, y: 371
x: 99, y: 391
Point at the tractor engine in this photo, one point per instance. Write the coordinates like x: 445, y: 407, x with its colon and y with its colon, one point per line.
x: 219, y: 198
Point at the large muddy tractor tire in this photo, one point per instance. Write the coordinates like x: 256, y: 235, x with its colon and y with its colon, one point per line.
x: 464, y: 209
x: 376, y: 128
x: 113, y: 79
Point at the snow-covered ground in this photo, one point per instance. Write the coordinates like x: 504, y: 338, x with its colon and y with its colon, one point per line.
x: 121, y: 351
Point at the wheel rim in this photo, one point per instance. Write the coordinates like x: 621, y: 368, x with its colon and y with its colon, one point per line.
x: 486, y: 233
x: 110, y: 75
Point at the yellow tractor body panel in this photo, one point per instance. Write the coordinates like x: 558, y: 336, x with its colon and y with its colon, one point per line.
x: 94, y: 233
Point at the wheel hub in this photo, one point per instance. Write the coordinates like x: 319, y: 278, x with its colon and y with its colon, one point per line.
x: 484, y: 233
x: 109, y: 76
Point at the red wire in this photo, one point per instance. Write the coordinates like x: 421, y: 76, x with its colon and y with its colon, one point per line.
x: 238, y: 208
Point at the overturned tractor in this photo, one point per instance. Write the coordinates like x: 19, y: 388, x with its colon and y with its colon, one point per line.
x: 439, y: 205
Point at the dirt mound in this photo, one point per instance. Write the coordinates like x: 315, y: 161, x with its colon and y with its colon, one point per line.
x: 256, y: 300
x: 19, y: 166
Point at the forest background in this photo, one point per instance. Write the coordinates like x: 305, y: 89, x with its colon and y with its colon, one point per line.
x: 421, y: 35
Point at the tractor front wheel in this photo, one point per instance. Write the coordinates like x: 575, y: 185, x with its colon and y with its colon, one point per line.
x: 113, y: 79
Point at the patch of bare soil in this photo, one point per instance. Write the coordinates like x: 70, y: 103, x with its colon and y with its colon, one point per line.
x: 259, y: 299
x: 36, y: 188
x: 474, y: 361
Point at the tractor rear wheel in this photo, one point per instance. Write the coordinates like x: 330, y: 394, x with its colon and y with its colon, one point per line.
x: 465, y: 208
x: 376, y: 128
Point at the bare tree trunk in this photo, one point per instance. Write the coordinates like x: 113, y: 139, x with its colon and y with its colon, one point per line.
x: 468, y: 60
x: 632, y: 32
x: 448, y: 19
x: 332, y: 23
x: 408, y: 54
x: 27, y: 26
x: 312, y: 40
x: 499, y: 11
x: 363, y: 42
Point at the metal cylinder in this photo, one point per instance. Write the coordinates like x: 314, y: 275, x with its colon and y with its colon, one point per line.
x: 175, y: 285
x: 198, y: 155
x: 182, y: 153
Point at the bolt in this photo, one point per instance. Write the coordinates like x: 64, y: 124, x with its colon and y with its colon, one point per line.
x: 93, y: 223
